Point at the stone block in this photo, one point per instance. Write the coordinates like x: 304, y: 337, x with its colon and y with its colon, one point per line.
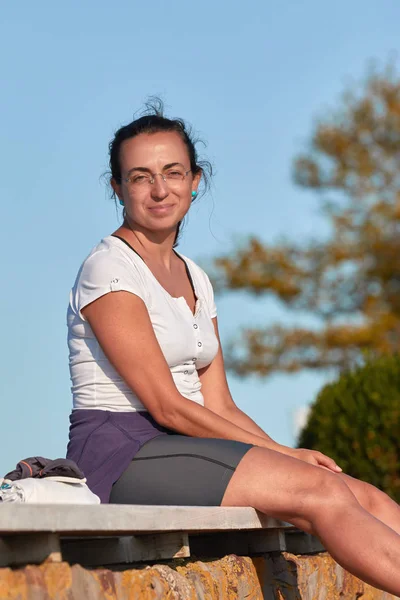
x: 287, y: 576
x: 279, y: 576
x: 230, y: 578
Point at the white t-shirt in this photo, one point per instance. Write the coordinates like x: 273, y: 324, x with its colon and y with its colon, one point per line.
x: 187, y: 341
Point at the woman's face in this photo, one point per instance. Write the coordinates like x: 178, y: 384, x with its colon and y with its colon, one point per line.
x: 160, y: 205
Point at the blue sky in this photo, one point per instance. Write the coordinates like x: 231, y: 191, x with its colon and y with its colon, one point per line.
x: 250, y: 77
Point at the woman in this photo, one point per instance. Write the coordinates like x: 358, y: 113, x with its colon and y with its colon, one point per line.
x: 153, y: 419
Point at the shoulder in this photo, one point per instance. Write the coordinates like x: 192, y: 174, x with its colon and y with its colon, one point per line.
x: 109, y: 267
x: 110, y: 255
x: 197, y: 271
x: 202, y: 283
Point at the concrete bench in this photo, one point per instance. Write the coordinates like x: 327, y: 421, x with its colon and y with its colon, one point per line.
x: 120, y: 535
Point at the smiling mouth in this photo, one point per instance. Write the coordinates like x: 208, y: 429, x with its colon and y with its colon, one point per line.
x: 162, y: 208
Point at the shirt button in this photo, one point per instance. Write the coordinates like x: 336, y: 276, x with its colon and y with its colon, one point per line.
x: 199, y: 344
x: 194, y: 359
x: 195, y: 326
x: 186, y: 372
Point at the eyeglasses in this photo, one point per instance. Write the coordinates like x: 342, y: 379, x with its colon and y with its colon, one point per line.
x: 171, y: 177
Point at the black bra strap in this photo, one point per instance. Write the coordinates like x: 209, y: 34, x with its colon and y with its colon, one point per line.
x: 180, y: 257
x: 128, y: 244
x: 188, y: 273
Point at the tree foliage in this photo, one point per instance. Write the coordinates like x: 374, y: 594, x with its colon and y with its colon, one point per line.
x: 349, y: 281
x: 356, y: 421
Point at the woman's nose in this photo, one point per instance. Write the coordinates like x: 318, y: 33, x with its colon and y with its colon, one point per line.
x: 159, y: 189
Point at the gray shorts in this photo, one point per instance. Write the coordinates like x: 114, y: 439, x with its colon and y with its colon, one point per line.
x: 179, y: 470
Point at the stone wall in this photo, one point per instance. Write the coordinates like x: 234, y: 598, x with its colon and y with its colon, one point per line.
x: 279, y: 576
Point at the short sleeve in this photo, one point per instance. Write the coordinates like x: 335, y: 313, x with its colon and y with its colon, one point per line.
x: 103, y: 272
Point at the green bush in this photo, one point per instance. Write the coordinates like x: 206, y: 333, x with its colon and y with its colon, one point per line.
x: 356, y: 421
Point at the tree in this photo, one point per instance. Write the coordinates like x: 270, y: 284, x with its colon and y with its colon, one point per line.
x: 356, y: 421
x: 351, y: 280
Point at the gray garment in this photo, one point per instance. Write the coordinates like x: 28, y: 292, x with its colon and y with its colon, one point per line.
x: 179, y: 470
x: 37, y: 466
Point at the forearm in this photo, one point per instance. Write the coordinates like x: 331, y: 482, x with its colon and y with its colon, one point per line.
x: 195, y: 420
x: 239, y: 418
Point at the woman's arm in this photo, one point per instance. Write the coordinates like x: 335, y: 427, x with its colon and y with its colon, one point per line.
x: 122, y: 326
x: 217, y: 398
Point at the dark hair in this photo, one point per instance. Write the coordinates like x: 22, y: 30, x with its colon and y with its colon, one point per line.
x: 153, y: 121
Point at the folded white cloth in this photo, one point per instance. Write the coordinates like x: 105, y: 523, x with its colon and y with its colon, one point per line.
x: 44, y: 491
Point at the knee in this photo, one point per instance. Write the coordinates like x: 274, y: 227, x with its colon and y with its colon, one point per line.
x: 329, y: 494
x: 374, y: 500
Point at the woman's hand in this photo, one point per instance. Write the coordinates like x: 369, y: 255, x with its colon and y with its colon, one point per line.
x: 314, y: 458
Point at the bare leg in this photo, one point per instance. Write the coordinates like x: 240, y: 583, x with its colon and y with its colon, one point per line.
x: 374, y: 501
x: 320, y: 503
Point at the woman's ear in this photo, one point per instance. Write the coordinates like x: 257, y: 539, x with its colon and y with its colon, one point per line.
x: 117, y: 188
x: 196, y: 179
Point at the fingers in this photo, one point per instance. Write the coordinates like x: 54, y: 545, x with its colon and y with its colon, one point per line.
x: 327, y: 462
x: 316, y: 458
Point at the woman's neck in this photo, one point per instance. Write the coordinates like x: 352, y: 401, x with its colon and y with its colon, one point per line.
x: 152, y: 247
